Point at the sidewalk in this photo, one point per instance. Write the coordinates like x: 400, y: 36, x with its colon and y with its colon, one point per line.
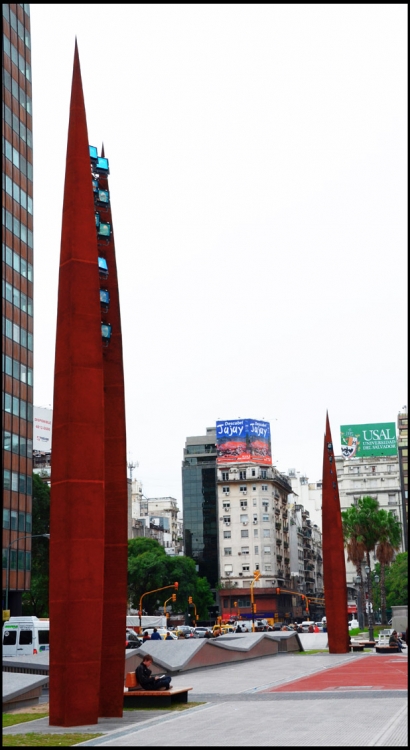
x: 289, y: 699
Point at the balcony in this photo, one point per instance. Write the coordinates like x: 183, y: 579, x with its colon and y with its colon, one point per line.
x: 287, y: 560
x: 286, y: 545
x: 277, y: 511
x: 278, y: 526
x: 285, y: 527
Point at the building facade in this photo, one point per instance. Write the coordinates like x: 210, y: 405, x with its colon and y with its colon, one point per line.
x: 374, y: 476
x: 17, y: 299
x: 199, y: 500
x: 155, y: 517
x: 403, y: 449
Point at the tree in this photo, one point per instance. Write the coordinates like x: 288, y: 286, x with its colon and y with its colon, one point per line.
x: 150, y: 568
x: 389, y: 537
x: 354, y: 544
x: 396, y: 583
x: 360, y: 529
x: 35, y: 601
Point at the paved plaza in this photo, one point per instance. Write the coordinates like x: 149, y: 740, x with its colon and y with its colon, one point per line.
x: 288, y: 699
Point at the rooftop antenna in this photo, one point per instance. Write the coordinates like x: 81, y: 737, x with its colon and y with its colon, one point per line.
x: 132, y: 465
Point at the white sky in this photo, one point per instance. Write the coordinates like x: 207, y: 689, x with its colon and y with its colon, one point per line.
x: 259, y: 194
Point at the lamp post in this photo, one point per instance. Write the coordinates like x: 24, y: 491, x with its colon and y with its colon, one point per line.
x: 28, y: 536
x: 358, y: 581
x: 370, y: 600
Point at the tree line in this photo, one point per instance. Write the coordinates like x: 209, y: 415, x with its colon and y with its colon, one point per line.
x: 149, y: 568
x: 367, y: 529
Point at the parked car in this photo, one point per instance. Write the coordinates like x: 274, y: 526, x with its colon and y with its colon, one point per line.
x: 131, y: 639
x: 185, y: 630
x: 200, y: 632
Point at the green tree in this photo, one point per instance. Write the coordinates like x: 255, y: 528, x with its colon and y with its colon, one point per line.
x: 389, y: 538
x: 146, y: 571
x: 150, y: 568
x: 360, y: 529
x: 353, y: 541
x: 35, y: 601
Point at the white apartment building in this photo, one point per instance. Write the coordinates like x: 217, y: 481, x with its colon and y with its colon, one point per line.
x: 160, y: 515
x: 374, y: 476
x: 253, y: 528
x: 306, y: 558
x: 308, y: 494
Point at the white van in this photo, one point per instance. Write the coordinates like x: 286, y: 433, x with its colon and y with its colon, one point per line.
x: 25, y: 636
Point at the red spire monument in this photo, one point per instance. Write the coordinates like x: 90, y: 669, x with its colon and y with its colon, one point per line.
x: 88, y: 516
x: 334, y: 568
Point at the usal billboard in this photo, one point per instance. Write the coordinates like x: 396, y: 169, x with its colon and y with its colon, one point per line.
x: 360, y: 440
x: 240, y: 440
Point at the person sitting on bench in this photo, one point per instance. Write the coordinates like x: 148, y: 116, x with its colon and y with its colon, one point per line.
x: 143, y: 675
x: 395, y: 641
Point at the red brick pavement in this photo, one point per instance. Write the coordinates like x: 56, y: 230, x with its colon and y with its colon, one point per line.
x: 364, y: 672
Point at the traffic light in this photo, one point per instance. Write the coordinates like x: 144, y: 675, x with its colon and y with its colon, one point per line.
x: 235, y: 604
x: 189, y: 599
x: 256, y: 575
x: 174, y: 597
x: 278, y: 591
x: 176, y: 585
x: 254, y: 608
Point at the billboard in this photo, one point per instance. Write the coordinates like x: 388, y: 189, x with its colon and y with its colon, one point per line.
x: 42, y: 421
x: 360, y: 440
x: 243, y: 440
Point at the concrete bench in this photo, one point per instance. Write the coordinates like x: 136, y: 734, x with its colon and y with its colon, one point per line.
x: 136, y: 696
x: 356, y: 646
x: 383, y: 649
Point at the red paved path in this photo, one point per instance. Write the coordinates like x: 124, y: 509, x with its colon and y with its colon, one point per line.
x: 371, y: 672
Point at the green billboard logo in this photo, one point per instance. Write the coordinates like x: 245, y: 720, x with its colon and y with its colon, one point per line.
x: 368, y: 440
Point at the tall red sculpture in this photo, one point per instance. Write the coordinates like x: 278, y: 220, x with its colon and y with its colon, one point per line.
x: 334, y: 568
x: 88, y: 523
x: 115, y: 467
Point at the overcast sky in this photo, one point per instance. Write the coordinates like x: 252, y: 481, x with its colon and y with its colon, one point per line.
x: 259, y: 196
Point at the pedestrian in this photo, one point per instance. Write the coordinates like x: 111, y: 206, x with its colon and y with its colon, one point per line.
x: 395, y: 641
x: 316, y: 629
x: 208, y: 634
x: 299, y: 629
x: 310, y: 629
x: 238, y: 628
x: 217, y: 632
x: 155, y: 635
x: 145, y: 636
x: 146, y: 680
x: 169, y: 637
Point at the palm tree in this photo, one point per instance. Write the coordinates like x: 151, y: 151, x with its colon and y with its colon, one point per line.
x: 355, y: 548
x: 360, y: 530
x: 389, y: 538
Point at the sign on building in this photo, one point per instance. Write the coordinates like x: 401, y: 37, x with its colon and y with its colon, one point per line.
x: 42, y: 421
x: 243, y: 440
x: 359, y: 440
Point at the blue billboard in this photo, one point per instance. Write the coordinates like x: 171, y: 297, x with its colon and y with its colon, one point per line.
x: 243, y: 440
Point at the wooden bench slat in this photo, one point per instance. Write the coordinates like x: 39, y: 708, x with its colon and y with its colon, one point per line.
x: 140, y: 691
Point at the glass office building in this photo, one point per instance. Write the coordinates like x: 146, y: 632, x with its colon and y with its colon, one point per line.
x: 17, y: 299
x: 200, y: 504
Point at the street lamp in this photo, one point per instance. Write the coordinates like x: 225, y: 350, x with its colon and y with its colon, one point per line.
x: 28, y: 536
x: 370, y: 600
x: 358, y: 581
